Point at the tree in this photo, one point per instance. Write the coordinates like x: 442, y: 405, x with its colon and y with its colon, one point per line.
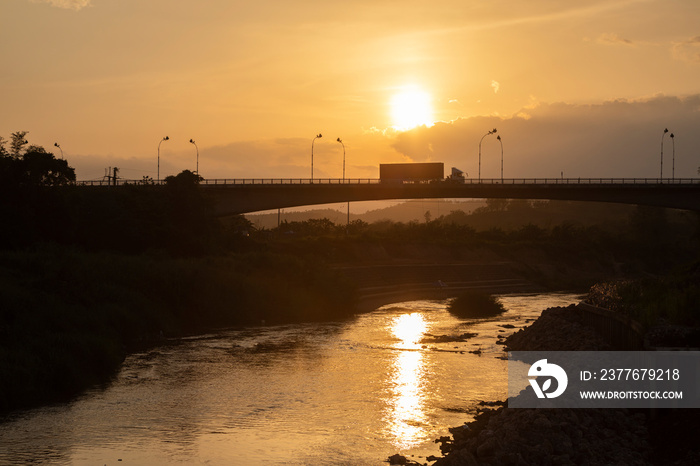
x: 41, y: 168
x: 183, y: 180
x: 3, y: 150
x: 17, y: 144
x: 496, y: 205
x: 31, y: 166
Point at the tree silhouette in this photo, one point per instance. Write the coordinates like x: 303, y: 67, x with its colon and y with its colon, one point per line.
x: 17, y: 144
x: 41, y: 168
x: 33, y: 166
x: 183, y: 180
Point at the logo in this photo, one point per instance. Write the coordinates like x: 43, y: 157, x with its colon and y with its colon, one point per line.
x: 543, y: 369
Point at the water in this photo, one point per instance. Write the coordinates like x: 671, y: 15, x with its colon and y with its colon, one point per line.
x: 354, y: 392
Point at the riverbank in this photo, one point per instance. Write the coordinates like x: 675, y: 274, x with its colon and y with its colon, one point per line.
x: 396, y: 281
x: 69, y: 317
x: 504, y: 436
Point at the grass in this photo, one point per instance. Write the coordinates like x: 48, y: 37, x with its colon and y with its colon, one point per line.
x: 672, y: 298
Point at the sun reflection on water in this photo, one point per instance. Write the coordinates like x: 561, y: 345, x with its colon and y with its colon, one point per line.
x: 406, y: 417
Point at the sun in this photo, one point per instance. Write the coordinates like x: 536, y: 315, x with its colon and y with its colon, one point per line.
x: 410, y: 108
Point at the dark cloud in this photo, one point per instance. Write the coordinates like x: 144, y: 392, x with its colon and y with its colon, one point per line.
x: 614, y: 139
x: 620, y: 138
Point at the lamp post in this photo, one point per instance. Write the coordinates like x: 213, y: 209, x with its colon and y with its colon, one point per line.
x: 59, y: 148
x: 499, y: 140
x: 166, y: 138
x: 482, y: 138
x: 661, y: 176
x: 341, y: 143
x: 312, y: 155
x: 195, y: 146
x: 673, y: 158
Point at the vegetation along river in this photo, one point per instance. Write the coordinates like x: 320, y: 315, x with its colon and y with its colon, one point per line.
x: 352, y: 392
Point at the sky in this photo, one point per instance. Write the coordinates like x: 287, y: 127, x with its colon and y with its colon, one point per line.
x: 575, y: 89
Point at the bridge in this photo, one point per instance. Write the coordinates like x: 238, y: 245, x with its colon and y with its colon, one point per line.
x: 239, y: 196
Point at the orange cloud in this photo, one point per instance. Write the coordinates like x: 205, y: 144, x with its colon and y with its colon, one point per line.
x: 67, y: 4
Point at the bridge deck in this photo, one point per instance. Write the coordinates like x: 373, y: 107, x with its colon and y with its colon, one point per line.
x: 236, y: 196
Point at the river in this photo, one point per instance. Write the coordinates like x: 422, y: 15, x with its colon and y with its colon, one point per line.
x: 352, y: 392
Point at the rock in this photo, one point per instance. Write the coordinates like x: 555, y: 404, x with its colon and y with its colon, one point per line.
x: 487, y: 447
x: 518, y: 437
x: 557, y: 329
x: 462, y: 457
x: 397, y: 459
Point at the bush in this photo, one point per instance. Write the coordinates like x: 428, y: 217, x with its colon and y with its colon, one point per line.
x: 474, y: 304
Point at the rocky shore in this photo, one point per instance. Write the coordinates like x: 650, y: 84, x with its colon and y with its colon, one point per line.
x: 557, y: 329
x: 503, y: 436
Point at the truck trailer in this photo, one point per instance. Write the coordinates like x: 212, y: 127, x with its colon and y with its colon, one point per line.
x: 411, y: 172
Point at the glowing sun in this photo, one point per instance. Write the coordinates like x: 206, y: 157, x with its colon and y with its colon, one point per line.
x: 410, y: 108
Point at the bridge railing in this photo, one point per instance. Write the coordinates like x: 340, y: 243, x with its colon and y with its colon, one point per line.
x: 291, y: 181
x: 367, y: 181
x: 596, y: 181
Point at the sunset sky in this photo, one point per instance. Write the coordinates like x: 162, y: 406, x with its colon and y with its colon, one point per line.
x: 584, y: 88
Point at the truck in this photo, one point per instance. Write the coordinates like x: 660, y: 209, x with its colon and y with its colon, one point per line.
x: 411, y: 172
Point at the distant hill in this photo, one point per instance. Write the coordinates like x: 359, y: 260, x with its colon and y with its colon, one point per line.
x: 413, y: 210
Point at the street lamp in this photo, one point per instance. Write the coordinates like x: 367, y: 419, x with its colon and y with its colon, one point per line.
x: 499, y: 140
x: 662, y: 155
x: 161, y: 141
x: 673, y: 158
x: 195, y: 146
x: 59, y: 148
x: 482, y: 138
x: 312, y: 155
x: 341, y: 143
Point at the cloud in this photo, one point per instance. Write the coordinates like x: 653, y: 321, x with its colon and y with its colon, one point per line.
x: 614, y: 39
x: 619, y: 138
x: 688, y: 50
x: 569, y: 10
x: 495, y: 85
x: 67, y: 4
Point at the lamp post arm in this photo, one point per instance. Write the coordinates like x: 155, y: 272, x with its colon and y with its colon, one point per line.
x: 480, y: 140
x: 312, y: 155
x: 661, y: 173
x: 161, y: 141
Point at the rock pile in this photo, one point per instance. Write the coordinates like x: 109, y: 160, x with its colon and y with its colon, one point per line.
x: 557, y: 329
x: 521, y: 437
x: 548, y: 437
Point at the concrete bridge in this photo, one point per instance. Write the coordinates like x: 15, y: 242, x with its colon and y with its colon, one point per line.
x: 253, y: 195
x: 239, y: 196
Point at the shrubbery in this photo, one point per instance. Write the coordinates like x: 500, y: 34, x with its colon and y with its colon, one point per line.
x: 474, y: 304
x: 673, y: 299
